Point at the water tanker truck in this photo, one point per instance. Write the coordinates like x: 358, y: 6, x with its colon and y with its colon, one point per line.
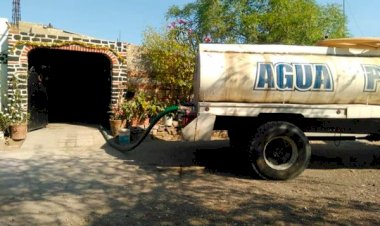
x: 268, y: 97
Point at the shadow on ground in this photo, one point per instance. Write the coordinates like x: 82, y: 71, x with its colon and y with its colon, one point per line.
x: 183, y: 197
x: 218, y: 157
x: 161, y: 183
x: 345, y: 154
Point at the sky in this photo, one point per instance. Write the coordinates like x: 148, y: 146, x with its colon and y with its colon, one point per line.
x: 126, y: 20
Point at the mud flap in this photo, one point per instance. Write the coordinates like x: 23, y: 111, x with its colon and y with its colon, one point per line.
x: 200, y: 129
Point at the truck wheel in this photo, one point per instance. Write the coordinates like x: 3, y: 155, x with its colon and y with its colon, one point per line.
x: 279, y: 151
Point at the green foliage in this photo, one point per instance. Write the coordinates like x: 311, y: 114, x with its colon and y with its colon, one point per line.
x: 155, y: 107
x: 15, y: 111
x: 4, y: 121
x: 170, y: 58
x: 141, y: 106
x: 262, y: 21
x: 117, y: 111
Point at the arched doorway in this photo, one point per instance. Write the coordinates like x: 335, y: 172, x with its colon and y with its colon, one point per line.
x: 68, y: 86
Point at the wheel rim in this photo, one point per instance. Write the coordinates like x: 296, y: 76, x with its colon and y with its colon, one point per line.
x: 280, y: 153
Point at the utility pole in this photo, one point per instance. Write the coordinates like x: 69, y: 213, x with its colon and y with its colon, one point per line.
x: 16, y: 14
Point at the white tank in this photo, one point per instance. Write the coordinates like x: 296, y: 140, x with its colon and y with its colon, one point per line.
x: 287, y: 74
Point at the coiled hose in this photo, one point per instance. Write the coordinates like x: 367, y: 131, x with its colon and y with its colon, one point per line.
x: 127, y: 148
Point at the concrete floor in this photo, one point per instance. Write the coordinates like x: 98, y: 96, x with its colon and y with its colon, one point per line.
x: 67, y: 175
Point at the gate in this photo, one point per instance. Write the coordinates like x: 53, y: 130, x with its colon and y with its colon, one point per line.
x: 37, y: 99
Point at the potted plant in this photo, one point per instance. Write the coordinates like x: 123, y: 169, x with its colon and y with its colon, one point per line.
x: 128, y: 111
x: 144, y: 106
x: 16, y: 113
x: 4, y: 123
x: 117, y: 115
x: 139, y: 106
x: 155, y: 107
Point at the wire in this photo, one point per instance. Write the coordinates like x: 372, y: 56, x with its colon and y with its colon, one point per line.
x: 354, y: 18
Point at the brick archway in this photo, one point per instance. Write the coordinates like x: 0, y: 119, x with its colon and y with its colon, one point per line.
x: 113, y: 58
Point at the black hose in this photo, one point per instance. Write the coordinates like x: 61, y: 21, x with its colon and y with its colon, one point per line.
x: 127, y: 148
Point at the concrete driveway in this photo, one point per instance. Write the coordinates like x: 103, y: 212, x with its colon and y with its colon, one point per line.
x: 67, y: 175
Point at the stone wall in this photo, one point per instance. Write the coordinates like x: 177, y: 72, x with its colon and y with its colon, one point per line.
x: 124, y: 57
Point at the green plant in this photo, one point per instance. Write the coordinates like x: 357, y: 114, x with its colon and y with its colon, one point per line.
x: 170, y: 59
x: 15, y: 111
x: 142, y: 106
x: 155, y: 107
x: 128, y: 110
x: 4, y: 121
x: 117, y: 111
x: 302, y: 22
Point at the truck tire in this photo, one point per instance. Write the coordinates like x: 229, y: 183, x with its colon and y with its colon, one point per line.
x: 279, y: 151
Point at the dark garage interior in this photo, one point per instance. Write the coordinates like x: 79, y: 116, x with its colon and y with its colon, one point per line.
x: 68, y: 87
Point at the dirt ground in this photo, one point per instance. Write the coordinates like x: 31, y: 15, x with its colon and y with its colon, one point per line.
x: 182, y: 183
